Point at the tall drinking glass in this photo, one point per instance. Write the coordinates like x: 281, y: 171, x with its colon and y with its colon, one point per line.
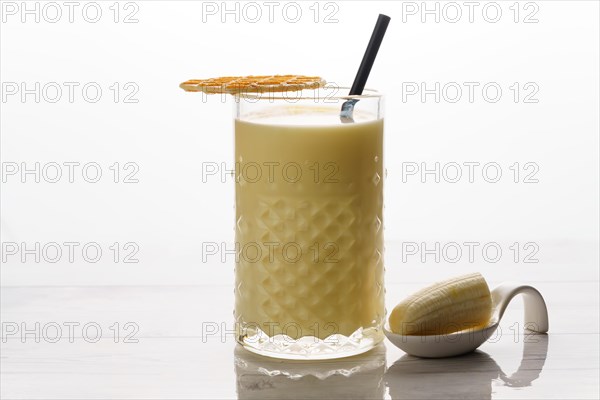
x: 309, y: 224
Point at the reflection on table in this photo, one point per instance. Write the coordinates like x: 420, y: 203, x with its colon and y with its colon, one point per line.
x: 465, y: 377
x: 365, y: 376
x: 353, y: 377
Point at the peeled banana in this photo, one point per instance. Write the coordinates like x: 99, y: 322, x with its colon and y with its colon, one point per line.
x: 448, y: 306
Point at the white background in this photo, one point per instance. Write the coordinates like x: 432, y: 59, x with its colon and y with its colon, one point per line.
x: 169, y: 133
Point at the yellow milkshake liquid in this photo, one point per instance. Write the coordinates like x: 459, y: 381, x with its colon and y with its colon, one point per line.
x: 309, y: 231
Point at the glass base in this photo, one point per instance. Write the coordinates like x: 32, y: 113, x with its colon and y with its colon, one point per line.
x: 311, y: 347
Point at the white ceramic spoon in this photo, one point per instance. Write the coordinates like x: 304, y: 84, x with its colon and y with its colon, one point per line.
x: 454, y: 344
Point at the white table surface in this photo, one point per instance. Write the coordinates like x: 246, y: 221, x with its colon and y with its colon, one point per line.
x: 172, y: 359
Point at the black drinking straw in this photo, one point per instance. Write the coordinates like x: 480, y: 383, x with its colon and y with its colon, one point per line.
x: 365, y: 66
x: 369, y: 58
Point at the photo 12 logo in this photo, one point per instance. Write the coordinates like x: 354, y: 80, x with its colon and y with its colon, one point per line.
x: 53, y: 12
x: 330, y: 93
x: 453, y: 12
x: 53, y: 252
x: 270, y: 331
x: 271, y: 252
x: 69, y: 92
x: 54, y: 332
x: 69, y: 172
x: 470, y: 92
x: 469, y: 172
x: 270, y: 11
x: 249, y: 172
x: 471, y: 252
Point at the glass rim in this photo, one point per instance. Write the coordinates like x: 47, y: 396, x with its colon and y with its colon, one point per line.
x: 372, y: 94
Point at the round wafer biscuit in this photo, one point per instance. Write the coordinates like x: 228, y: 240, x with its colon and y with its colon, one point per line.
x: 253, y: 84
